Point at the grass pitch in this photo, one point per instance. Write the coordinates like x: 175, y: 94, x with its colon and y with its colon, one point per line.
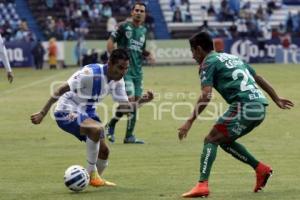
x: 33, y: 158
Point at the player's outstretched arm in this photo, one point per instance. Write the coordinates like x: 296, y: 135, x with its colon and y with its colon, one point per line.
x: 202, y: 102
x: 38, y: 117
x: 267, y: 87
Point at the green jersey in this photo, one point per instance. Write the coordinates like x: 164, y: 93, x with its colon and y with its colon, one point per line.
x: 231, y: 77
x: 133, y: 39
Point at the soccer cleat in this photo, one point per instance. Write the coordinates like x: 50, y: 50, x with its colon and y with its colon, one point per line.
x: 110, y: 133
x: 132, y: 140
x: 108, y: 183
x: 200, y: 190
x: 263, y: 173
x: 97, y: 181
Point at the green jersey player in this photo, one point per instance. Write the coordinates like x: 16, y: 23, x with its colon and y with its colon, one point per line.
x: 237, y: 82
x: 131, y: 35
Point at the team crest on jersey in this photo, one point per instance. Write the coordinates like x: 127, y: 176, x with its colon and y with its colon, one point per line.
x: 128, y: 34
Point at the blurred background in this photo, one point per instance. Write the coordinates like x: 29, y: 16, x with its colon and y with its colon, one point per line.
x: 56, y: 34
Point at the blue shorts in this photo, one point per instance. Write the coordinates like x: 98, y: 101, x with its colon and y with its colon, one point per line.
x: 73, y: 126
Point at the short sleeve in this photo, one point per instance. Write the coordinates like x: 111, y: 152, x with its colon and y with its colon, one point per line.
x: 207, y: 74
x: 117, y: 34
x: 118, y: 91
x: 80, y: 79
x: 250, y: 69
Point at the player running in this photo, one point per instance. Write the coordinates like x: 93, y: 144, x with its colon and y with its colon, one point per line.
x: 238, y: 83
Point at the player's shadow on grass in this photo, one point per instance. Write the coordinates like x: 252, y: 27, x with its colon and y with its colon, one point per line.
x: 119, y: 190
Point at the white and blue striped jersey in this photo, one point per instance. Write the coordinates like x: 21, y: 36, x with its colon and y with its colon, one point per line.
x: 89, y: 86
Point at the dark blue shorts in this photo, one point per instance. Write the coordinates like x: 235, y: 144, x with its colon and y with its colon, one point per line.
x: 73, y: 126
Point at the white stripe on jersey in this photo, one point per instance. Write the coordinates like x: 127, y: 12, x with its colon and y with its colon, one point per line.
x: 89, y: 86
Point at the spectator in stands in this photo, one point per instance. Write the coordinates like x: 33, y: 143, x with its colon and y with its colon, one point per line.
x: 289, y: 23
x: 69, y: 34
x: 83, y: 29
x: 260, y: 13
x: 52, y: 53
x: 50, y: 3
x: 50, y: 27
x: 177, y: 17
x: 38, y: 53
x: 122, y: 6
x: 95, y: 13
x: 211, y: 11
x: 106, y: 10
x: 242, y: 28
x: 23, y: 34
x: 233, y: 30
x: 150, y: 25
x: 187, y: 15
x: 264, y: 35
x: 234, y: 5
x: 296, y: 23
x: 60, y: 28
x: 111, y: 25
x: 225, y: 13
x: 174, y: 4
x: 205, y: 27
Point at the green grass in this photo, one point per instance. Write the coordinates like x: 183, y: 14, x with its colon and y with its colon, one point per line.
x: 33, y: 158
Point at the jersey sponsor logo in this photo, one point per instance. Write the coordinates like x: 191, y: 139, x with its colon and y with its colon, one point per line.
x: 208, y: 153
x: 238, y: 128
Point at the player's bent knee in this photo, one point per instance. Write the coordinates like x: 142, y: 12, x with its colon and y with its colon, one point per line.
x: 94, y: 133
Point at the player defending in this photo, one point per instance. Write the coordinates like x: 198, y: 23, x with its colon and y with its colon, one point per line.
x: 237, y: 82
x: 75, y: 111
x: 5, y: 61
x: 131, y: 36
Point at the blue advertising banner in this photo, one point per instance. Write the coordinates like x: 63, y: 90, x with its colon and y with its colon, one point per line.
x: 19, y: 54
x: 251, y: 50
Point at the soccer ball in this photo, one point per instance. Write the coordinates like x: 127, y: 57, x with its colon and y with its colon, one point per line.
x: 76, y: 178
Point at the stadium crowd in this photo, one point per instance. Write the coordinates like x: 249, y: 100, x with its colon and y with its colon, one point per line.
x: 247, y: 21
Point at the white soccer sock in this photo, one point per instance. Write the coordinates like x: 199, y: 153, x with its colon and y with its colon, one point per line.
x: 101, y: 165
x: 92, y: 149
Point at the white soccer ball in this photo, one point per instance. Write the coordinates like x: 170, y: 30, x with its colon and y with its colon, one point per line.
x: 76, y: 178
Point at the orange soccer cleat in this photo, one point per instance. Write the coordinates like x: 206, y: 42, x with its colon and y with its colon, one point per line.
x: 263, y: 173
x: 200, y: 190
x: 97, y: 181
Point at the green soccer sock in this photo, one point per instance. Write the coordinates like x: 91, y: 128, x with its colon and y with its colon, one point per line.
x: 207, y: 158
x: 131, y: 124
x: 239, y: 152
x: 115, y: 119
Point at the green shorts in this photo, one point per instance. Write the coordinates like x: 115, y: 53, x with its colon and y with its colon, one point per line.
x: 134, y: 86
x: 240, y: 119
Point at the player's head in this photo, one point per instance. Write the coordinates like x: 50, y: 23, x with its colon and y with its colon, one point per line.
x: 138, y: 12
x: 201, y: 44
x: 117, y: 64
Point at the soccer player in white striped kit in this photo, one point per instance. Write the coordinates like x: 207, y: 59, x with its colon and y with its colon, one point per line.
x: 5, y: 61
x: 75, y: 112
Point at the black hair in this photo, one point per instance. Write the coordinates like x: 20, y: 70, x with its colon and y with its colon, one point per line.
x: 140, y: 4
x: 203, y: 40
x: 118, y: 54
